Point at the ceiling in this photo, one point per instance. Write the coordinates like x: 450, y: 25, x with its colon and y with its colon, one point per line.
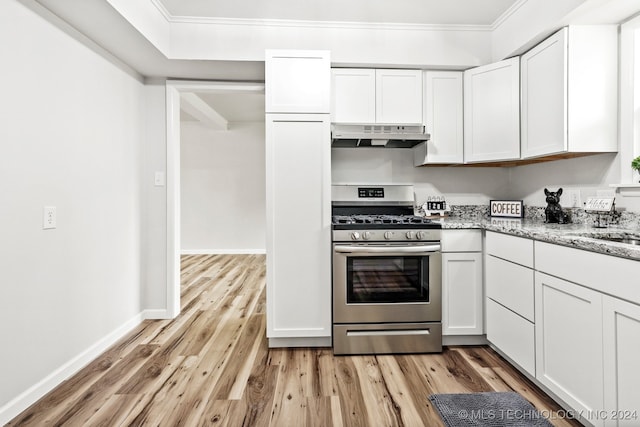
x: 430, y: 12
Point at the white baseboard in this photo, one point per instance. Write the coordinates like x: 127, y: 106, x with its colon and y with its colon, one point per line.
x: 464, y: 340
x: 222, y: 251
x: 160, y: 314
x: 35, y: 392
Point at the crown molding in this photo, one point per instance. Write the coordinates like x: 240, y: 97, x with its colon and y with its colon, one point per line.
x: 162, y: 9
x: 507, y: 13
x: 289, y: 23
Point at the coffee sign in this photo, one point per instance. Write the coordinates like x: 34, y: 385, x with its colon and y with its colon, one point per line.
x: 506, y: 208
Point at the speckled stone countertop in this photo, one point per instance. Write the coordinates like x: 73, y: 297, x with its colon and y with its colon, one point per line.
x: 578, y: 235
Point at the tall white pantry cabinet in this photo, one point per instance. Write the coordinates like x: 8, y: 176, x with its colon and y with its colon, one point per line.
x: 298, y: 204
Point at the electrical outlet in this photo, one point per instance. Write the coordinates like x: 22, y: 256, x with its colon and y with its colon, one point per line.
x: 576, y: 200
x: 49, y: 219
x: 571, y: 198
x: 158, y: 179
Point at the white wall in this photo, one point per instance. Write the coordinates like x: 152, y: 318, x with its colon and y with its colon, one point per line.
x: 154, y: 206
x: 477, y: 185
x: 584, y: 175
x: 528, y: 25
x: 223, y: 188
x: 71, y: 131
x: 459, y: 185
x: 350, y: 44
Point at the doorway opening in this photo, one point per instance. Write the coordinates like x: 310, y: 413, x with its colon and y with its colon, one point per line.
x: 206, y: 103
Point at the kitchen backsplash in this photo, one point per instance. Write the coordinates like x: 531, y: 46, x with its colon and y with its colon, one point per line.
x: 623, y: 219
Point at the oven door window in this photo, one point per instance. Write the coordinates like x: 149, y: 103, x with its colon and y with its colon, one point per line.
x: 387, y: 279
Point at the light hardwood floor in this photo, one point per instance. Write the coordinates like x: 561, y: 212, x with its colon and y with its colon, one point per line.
x: 211, y: 367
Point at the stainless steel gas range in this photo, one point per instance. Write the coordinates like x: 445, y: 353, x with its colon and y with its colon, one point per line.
x: 387, y: 274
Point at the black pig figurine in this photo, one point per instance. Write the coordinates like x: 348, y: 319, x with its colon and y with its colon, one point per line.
x: 553, y: 212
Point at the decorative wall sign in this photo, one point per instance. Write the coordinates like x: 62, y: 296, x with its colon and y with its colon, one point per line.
x: 506, y: 208
x: 600, y: 204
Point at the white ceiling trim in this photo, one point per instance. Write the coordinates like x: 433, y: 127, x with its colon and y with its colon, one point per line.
x: 284, y: 23
x: 507, y: 13
x: 218, y: 87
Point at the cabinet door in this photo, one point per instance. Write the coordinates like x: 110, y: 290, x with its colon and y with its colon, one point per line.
x: 492, y: 112
x: 354, y: 95
x: 442, y: 103
x: 462, y: 294
x: 621, y: 356
x: 569, y: 342
x: 399, y: 96
x: 297, y: 81
x: 544, y: 97
x: 298, y: 176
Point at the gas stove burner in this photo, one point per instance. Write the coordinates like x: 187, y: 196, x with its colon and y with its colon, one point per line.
x: 373, y: 220
x: 390, y: 222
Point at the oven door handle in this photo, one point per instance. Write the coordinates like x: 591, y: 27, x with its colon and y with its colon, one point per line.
x: 386, y: 249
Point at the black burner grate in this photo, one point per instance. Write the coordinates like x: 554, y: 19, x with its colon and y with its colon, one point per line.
x: 379, y: 219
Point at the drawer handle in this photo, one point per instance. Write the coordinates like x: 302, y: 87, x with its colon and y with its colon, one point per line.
x: 382, y: 332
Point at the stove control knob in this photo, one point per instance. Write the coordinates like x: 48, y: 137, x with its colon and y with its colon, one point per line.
x: 388, y: 235
x: 421, y: 235
x: 366, y: 235
x: 355, y: 235
x: 411, y: 235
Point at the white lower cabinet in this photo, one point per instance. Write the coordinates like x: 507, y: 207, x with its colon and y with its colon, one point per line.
x: 582, y: 339
x: 462, y: 293
x: 569, y: 351
x: 621, y: 362
x: 298, y: 176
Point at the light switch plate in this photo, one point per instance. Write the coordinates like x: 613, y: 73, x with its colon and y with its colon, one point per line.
x: 159, y: 179
x: 49, y: 219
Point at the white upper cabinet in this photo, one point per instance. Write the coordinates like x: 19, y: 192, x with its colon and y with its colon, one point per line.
x: 442, y: 111
x: 354, y: 95
x: 399, y: 96
x: 376, y: 96
x: 492, y: 112
x: 569, y: 93
x: 297, y: 81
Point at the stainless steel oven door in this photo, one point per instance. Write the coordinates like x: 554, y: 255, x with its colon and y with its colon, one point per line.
x: 376, y: 283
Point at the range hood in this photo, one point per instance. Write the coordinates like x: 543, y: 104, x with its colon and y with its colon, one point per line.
x: 384, y: 136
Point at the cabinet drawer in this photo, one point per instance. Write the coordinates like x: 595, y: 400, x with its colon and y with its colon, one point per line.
x: 604, y: 273
x: 514, y: 249
x: 511, y: 334
x: 461, y: 241
x: 511, y: 285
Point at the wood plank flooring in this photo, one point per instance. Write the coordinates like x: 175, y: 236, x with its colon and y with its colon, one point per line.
x: 211, y: 367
